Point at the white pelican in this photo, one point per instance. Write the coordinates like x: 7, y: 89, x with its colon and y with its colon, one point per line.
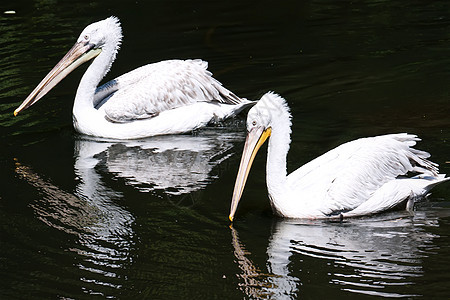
x: 167, y: 97
x: 361, y: 177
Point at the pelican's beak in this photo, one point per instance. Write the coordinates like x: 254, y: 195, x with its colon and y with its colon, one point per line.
x: 80, y: 53
x: 255, y: 138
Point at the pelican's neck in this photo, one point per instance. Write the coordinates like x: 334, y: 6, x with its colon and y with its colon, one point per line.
x: 276, y: 156
x: 94, y: 74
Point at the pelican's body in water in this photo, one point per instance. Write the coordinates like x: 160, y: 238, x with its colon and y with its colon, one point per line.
x: 167, y: 97
x: 361, y: 177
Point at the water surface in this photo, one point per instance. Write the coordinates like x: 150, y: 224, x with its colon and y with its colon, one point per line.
x: 90, y: 218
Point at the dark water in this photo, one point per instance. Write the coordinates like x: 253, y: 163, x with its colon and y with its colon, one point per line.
x: 86, y: 218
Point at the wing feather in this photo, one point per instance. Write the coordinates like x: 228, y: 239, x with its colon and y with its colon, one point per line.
x: 348, y: 175
x: 154, y: 88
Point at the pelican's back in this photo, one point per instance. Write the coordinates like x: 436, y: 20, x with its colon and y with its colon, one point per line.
x: 149, y: 90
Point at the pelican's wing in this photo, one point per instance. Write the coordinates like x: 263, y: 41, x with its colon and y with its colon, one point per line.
x: 350, y: 174
x: 154, y: 88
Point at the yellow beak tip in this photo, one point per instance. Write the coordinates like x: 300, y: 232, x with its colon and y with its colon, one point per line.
x: 231, y: 218
x: 16, y: 113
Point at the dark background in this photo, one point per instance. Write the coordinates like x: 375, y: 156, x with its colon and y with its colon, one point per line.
x: 82, y: 218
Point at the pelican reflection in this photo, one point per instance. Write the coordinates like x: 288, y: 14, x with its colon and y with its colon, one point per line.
x: 105, y: 238
x: 102, y: 227
x: 378, y: 256
x: 174, y: 165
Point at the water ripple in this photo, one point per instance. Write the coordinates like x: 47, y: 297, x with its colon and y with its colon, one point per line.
x: 381, y: 256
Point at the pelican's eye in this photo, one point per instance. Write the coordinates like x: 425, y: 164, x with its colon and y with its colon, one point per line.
x: 86, y: 37
x: 254, y: 123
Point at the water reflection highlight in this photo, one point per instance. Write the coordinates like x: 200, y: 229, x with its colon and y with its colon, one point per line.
x: 379, y: 256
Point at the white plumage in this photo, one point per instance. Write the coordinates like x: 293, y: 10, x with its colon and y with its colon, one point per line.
x: 167, y: 97
x: 361, y: 177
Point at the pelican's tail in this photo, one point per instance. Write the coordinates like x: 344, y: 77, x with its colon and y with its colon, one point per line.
x: 431, y: 181
x: 230, y: 104
x: 396, y: 192
x: 227, y: 111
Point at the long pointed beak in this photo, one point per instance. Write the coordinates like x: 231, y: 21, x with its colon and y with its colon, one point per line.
x: 80, y: 53
x: 255, y: 138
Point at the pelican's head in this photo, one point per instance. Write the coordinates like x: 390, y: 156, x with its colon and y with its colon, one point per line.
x: 99, y: 34
x: 105, y: 35
x: 261, y: 119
